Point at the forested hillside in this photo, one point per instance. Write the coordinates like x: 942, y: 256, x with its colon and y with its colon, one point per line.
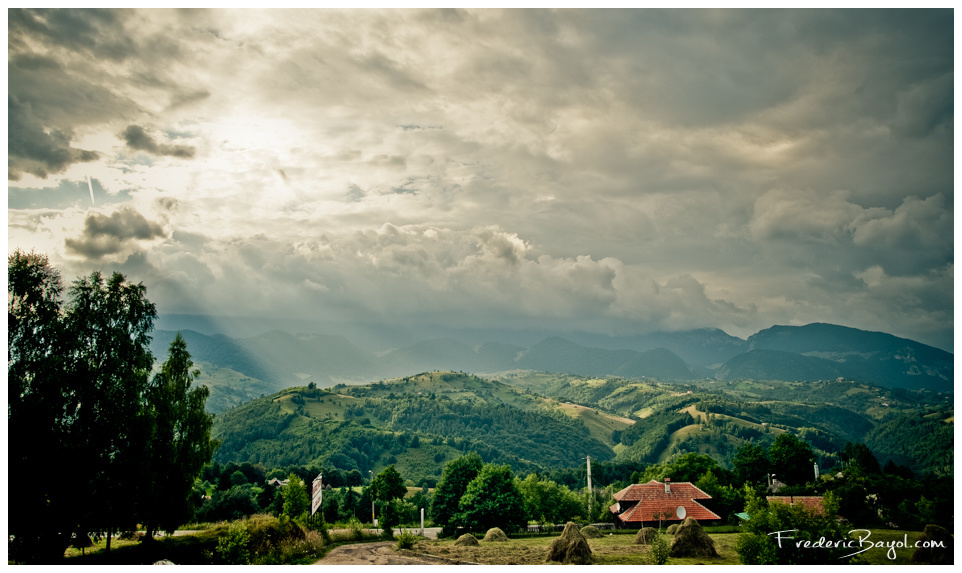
x: 534, y: 420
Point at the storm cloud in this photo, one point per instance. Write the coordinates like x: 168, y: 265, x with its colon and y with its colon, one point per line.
x: 104, y: 235
x: 613, y: 171
x: 137, y: 138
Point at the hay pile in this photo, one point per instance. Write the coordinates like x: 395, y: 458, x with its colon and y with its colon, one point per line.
x: 645, y: 536
x: 672, y: 529
x: 692, y: 541
x: 495, y: 534
x: 571, y: 547
x: 590, y: 532
x: 467, y: 540
x: 934, y: 555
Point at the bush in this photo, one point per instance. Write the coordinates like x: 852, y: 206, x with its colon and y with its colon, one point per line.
x: 357, y: 532
x: 232, y: 548
x: 659, y: 551
x: 406, y: 540
x: 756, y: 547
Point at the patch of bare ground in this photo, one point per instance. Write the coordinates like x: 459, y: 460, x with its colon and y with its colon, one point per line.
x: 380, y: 553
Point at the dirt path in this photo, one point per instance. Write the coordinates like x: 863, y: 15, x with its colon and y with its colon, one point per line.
x: 380, y: 553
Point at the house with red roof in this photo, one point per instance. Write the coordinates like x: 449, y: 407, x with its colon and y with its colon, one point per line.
x: 640, y: 503
x: 814, y: 503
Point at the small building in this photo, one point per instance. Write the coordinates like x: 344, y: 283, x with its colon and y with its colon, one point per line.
x: 813, y: 503
x: 640, y: 503
x: 278, y: 482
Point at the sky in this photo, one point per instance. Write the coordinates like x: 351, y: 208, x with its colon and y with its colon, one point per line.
x: 615, y: 172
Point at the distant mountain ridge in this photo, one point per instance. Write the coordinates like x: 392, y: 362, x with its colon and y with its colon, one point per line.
x: 803, y: 353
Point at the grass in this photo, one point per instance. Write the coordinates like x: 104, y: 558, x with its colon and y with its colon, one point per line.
x: 618, y: 549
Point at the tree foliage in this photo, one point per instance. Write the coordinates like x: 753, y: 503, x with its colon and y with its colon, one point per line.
x: 547, y: 502
x: 776, y: 534
x: 388, y: 485
x: 792, y: 459
x: 180, y: 444
x: 81, y: 397
x: 492, y: 500
x: 458, y: 473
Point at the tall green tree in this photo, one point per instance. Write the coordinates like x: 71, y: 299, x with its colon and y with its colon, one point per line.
x: 750, y: 464
x: 388, y: 485
x: 457, y: 474
x: 792, y: 459
x: 109, y: 321
x: 296, y: 499
x: 39, y: 397
x: 547, y: 502
x: 492, y: 500
x: 180, y: 443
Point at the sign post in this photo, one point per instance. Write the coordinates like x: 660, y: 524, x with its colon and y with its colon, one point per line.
x: 317, y: 493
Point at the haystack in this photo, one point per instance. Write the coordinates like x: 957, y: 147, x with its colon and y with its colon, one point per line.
x: 571, y: 547
x: 934, y: 555
x: 590, y: 532
x: 692, y: 541
x: 645, y: 536
x: 466, y: 540
x: 495, y: 534
x: 672, y: 529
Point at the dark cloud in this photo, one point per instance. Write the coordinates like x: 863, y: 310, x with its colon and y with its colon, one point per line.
x: 97, y: 32
x: 33, y: 149
x: 138, y: 138
x: 106, y: 235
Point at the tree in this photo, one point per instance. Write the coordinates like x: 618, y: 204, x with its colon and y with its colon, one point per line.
x: 547, y: 502
x: 792, y: 459
x: 859, y: 456
x: 180, y: 445
x: 750, y: 464
x: 109, y: 322
x: 492, y: 500
x: 296, y: 500
x: 39, y: 396
x: 457, y: 474
x: 388, y: 485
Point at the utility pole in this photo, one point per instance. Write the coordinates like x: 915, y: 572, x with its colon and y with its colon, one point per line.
x: 589, y: 486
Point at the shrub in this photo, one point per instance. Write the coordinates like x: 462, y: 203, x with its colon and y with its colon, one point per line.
x: 232, y: 548
x: 356, y: 531
x: 756, y: 547
x: 659, y: 551
x: 406, y: 540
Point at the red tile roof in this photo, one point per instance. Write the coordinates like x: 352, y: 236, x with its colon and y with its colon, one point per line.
x: 642, y: 502
x: 809, y: 502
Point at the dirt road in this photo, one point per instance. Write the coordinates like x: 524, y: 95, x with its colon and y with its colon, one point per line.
x: 379, y: 553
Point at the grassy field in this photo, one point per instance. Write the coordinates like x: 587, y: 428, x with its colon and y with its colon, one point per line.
x: 618, y: 549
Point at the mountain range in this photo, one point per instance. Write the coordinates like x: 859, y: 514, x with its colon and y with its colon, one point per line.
x: 274, y: 360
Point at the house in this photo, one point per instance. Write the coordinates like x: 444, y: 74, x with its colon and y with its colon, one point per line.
x: 278, y: 482
x: 810, y: 502
x: 639, y: 503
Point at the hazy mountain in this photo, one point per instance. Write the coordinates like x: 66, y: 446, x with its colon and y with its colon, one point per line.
x: 875, y: 357
x: 813, y: 352
x: 777, y: 365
